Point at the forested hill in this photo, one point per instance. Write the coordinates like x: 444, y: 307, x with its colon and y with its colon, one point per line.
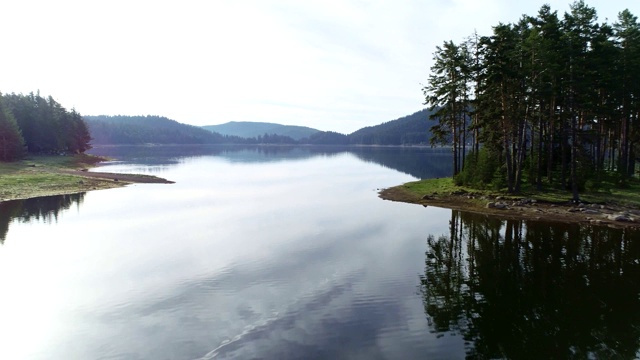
x: 249, y: 129
x: 408, y: 130
x: 149, y: 129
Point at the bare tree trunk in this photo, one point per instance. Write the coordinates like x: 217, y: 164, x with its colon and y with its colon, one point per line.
x: 539, y: 165
x: 455, y: 143
x: 522, y: 150
x: 574, y: 158
x: 623, y: 159
x: 563, y: 157
x: 612, y: 151
x: 550, y: 140
x: 464, y: 137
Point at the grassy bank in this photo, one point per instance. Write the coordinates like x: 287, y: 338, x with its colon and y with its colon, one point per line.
x: 608, y: 191
x: 611, y: 205
x: 40, y: 175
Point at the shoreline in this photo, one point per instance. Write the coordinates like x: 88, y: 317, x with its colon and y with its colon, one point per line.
x: 40, y: 176
x: 608, y: 214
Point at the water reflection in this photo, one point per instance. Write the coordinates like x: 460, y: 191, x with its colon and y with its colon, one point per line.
x: 45, y: 209
x: 418, y: 162
x: 422, y: 163
x: 519, y: 289
x: 171, y: 155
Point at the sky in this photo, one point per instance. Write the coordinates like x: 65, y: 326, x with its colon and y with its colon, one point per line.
x: 331, y: 65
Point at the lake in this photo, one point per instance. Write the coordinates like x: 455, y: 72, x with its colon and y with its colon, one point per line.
x: 288, y: 253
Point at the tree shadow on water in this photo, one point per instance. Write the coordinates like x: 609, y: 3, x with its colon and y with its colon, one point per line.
x: 46, y: 208
x: 530, y: 290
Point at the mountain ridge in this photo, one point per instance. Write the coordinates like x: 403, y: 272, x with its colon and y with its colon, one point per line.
x: 252, y: 129
x: 412, y: 129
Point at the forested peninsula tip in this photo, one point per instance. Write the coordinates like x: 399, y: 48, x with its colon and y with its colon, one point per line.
x: 542, y: 113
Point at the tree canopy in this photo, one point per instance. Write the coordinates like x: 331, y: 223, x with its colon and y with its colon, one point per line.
x: 553, y: 101
x: 11, y: 140
x: 43, y: 124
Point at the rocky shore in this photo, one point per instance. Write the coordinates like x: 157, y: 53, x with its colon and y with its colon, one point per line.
x: 607, y: 214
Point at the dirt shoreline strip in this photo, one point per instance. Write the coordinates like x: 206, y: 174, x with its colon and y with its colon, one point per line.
x: 612, y: 215
x: 128, y: 178
x: 86, y: 181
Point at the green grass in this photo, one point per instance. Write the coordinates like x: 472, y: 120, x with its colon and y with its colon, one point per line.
x: 608, y: 191
x: 33, y: 176
x: 431, y: 186
x: 69, y: 161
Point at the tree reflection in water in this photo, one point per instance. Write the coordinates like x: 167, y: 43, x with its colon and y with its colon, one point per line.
x: 525, y: 289
x: 46, y: 208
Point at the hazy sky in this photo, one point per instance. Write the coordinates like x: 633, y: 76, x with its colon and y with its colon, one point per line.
x: 332, y: 65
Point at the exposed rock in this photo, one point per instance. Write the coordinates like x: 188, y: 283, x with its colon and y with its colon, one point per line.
x: 500, y: 206
x: 591, y: 212
x: 573, y: 209
x: 620, y: 217
x: 490, y: 205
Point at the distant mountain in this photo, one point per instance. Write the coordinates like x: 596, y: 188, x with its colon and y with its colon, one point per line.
x: 412, y: 129
x: 248, y: 129
x: 149, y: 129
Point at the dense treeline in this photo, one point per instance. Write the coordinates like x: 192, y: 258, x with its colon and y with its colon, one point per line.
x: 32, y: 123
x: 11, y: 140
x: 327, y: 138
x: 407, y: 130
x: 147, y: 129
x: 549, y: 100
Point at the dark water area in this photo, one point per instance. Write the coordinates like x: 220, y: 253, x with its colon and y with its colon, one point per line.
x: 46, y: 209
x: 288, y: 253
x: 524, y: 289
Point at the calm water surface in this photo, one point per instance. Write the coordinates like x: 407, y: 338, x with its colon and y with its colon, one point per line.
x: 288, y: 253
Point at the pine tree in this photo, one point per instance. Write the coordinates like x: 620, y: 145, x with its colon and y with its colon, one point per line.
x: 448, y: 94
x: 11, y: 141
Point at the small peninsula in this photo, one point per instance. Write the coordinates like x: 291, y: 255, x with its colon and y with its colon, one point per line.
x: 45, y: 175
x: 610, y: 207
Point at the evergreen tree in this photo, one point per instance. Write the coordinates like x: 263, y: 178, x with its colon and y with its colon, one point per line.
x: 554, y: 100
x: 11, y: 141
x: 47, y: 126
x: 627, y: 35
x: 448, y: 93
